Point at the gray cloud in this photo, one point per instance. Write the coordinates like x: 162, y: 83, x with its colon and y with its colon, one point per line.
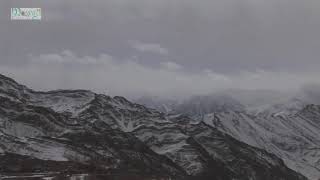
x: 171, y: 65
x: 107, y: 74
x: 149, y: 47
x: 187, y: 45
x: 311, y: 92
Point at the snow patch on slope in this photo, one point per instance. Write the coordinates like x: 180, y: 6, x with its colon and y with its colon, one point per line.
x: 171, y: 148
x: 72, y: 102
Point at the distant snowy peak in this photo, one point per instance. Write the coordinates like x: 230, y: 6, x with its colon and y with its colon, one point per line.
x: 286, y: 108
x: 158, y: 103
x: 289, y: 105
x: 198, y: 106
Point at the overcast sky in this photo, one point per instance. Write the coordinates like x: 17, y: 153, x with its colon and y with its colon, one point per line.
x: 163, y: 47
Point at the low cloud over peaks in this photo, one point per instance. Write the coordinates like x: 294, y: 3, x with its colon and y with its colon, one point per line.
x: 108, y: 74
x: 163, y: 47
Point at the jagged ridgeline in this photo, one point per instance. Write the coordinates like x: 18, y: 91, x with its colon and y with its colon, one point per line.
x: 76, y: 133
x: 288, y: 127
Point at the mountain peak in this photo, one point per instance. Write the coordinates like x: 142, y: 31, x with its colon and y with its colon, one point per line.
x: 6, y: 78
x: 198, y: 106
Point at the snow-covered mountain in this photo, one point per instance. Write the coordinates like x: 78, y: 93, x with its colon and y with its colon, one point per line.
x: 75, y: 131
x: 289, y: 129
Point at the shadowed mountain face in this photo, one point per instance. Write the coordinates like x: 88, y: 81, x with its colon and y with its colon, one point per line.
x: 80, y: 132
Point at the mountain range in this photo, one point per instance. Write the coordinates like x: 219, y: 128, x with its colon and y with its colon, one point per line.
x: 287, y: 127
x: 64, y: 134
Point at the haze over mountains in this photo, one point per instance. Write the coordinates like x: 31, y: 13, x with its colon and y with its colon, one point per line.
x: 240, y: 99
x: 284, y: 124
x: 65, y: 132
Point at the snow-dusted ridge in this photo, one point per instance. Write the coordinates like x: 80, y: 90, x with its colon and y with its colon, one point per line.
x: 288, y: 129
x: 82, y: 131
